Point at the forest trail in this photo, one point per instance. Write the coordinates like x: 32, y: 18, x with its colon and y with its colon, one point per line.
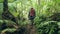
x: 31, y: 29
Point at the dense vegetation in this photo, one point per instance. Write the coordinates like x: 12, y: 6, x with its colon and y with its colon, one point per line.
x: 47, y: 20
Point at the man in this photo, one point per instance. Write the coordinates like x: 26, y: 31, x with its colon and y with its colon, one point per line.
x: 32, y: 15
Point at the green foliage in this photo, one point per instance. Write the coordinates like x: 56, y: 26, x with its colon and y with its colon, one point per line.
x: 8, y: 1
x: 43, y: 8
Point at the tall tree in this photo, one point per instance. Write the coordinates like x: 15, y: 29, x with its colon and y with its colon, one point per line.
x: 6, y: 14
x: 38, y: 2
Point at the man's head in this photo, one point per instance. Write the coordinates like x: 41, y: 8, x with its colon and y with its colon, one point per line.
x: 32, y: 8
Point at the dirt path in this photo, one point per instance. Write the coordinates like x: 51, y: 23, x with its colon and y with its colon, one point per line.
x: 31, y: 29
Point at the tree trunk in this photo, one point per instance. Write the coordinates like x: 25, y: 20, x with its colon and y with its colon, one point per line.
x: 6, y: 14
x: 5, y: 5
x: 38, y: 2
